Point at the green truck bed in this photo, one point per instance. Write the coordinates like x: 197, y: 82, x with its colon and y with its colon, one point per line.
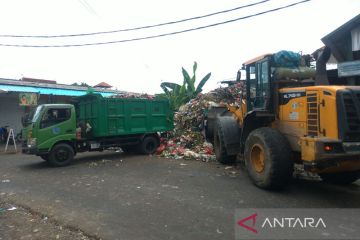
x: 122, y: 116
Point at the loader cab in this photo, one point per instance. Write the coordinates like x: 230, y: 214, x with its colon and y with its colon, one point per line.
x: 258, y: 88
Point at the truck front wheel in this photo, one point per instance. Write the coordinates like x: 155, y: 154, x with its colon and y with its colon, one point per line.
x: 268, y: 158
x: 149, y: 145
x: 61, y: 155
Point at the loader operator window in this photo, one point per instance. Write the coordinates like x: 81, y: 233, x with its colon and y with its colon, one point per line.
x: 54, y: 116
x: 253, y: 83
x: 265, y: 82
x: 262, y: 87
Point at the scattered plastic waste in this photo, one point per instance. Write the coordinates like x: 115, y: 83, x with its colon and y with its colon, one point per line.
x: 12, y: 209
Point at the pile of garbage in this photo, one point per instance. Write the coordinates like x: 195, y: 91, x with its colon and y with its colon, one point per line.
x: 187, y: 139
x: 133, y: 95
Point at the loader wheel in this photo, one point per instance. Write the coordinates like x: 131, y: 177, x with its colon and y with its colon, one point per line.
x: 220, y: 150
x: 341, y: 178
x: 61, y: 155
x: 268, y: 158
x: 149, y: 145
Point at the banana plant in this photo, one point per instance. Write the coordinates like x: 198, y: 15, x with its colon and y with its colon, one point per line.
x: 190, y: 82
x: 181, y: 94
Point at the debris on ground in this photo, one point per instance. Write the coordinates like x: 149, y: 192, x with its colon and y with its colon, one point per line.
x: 300, y: 173
x: 98, y: 163
x: 18, y: 222
x: 187, y: 140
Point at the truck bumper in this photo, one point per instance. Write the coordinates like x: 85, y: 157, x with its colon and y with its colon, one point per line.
x: 329, y: 155
x: 29, y: 150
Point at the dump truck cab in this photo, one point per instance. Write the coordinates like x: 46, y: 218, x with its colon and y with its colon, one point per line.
x: 50, y: 124
x: 284, y: 118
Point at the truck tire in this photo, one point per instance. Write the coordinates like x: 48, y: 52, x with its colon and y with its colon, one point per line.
x: 149, y: 145
x: 268, y: 158
x: 341, y: 178
x: 61, y: 155
x: 219, y: 148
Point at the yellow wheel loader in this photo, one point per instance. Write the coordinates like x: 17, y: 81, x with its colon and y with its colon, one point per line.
x: 285, y: 117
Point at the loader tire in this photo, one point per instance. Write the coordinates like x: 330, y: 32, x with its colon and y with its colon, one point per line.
x: 341, y: 178
x: 219, y: 147
x: 61, y: 155
x: 268, y: 158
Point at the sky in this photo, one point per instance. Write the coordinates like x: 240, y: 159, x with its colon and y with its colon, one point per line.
x: 141, y: 66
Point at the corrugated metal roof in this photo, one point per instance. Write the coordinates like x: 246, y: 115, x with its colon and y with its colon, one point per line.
x: 12, y: 88
x: 48, y: 91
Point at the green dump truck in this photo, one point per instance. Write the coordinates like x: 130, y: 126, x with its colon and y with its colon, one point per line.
x: 57, y: 132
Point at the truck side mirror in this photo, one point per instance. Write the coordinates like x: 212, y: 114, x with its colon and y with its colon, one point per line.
x: 25, y: 120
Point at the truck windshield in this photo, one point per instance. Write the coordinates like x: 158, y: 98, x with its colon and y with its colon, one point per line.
x: 36, y: 114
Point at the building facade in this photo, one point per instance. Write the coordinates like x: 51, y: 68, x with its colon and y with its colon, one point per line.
x: 18, y: 97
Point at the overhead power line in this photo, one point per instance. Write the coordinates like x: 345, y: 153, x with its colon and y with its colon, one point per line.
x: 159, y: 35
x: 135, y: 28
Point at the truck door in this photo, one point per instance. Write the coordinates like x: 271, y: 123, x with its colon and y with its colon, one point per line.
x: 56, y: 124
x: 258, y: 79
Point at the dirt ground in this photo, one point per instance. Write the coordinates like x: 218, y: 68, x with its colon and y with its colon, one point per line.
x: 19, y: 222
x: 113, y: 195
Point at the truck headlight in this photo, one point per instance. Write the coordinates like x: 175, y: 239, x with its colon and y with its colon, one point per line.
x: 32, y: 142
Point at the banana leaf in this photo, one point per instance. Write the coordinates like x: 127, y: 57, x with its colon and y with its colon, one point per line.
x: 202, y: 83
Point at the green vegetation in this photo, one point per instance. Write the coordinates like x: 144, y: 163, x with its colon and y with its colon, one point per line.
x: 181, y: 94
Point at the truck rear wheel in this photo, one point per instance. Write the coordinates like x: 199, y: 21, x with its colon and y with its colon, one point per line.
x: 61, y: 155
x: 149, y: 145
x: 268, y: 158
x: 341, y: 177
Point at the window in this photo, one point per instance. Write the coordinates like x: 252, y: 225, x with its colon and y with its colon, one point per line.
x: 54, y: 116
x: 262, y: 87
x: 253, y: 83
x: 265, y: 79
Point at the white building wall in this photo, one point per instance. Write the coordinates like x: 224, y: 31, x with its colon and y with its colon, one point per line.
x: 10, y: 111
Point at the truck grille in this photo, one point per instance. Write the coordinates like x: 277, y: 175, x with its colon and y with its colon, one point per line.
x: 351, y: 126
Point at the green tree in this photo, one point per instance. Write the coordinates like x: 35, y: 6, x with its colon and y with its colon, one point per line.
x: 181, y: 94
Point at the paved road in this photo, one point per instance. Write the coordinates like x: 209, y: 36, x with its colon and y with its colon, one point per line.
x: 119, y: 196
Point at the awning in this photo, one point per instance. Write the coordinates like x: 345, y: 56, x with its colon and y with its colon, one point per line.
x: 48, y: 91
